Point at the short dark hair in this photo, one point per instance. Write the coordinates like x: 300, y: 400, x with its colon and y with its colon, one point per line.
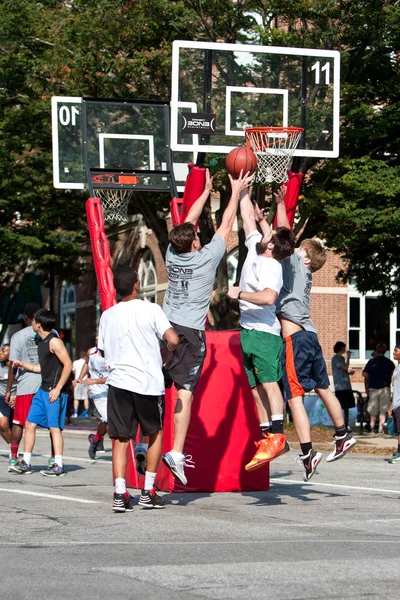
x: 381, y: 348
x: 45, y: 318
x: 182, y: 236
x: 338, y: 347
x: 125, y: 278
x: 30, y: 309
x: 283, y: 241
x: 5, y: 345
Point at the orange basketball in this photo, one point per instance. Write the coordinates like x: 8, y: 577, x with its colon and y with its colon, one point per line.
x: 241, y: 158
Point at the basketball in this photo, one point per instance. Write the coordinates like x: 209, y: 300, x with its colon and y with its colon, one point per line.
x: 241, y: 158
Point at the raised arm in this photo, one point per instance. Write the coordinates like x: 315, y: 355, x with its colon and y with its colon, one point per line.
x: 228, y: 218
x: 281, y: 214
x: 247, y: 213
x: 266, y: 229
x: 197, y: 207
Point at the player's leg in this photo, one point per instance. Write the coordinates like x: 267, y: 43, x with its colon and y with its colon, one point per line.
x: 396, y: 423
x: 95, y: 439
x: 297, y: 380
x: 343, y: 439
x: 122, y: 427
x: 76, y: 407
x: 184, y: 369
x: 262, y: 358
x: 5, y: 430
x: 55, y: 415
x: 150, y: 411
x: 21, y: 410
x: 25, y: 467
x: 373, y: 407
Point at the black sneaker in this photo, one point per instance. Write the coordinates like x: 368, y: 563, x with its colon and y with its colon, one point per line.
x: 150, y: 499
x: 309, y: 462
x: 122, y: 502
x: 93, y: 445
x: 23, y: 469
x: 342, y: 445
x: 100, y: 446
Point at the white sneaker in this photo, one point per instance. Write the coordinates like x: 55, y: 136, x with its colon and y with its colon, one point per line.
x: 176, y: 463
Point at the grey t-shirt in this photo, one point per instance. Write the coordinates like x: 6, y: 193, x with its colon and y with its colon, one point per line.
x: 3, y: 382
x: 294, y: 299
x: 23, y: 347
x: 191, y: 279
x: 341, y: 379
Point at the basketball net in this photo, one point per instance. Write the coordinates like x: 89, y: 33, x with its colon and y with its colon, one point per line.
x: 114, y: 201
x: 274, y: 148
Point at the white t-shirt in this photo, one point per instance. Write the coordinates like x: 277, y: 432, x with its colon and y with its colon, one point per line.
x: 396, y: 388
x: 259, y: 273
x: 129, y: 335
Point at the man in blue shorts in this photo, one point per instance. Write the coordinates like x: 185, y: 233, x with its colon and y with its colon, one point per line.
x: 49, y: 404
x: 304, y: 367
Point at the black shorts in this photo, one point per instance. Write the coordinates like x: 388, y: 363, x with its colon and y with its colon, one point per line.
x: 186, y: 363
x: 304, y: 367
x: 396, y: 420
x: 5, y: 409
x: 126, y: 409
x: 346, y: 399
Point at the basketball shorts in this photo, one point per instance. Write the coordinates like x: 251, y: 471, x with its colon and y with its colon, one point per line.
x: 186, y: 363
x: 396, y: 420
x: 304, y: 367
x: 48, y: 414
x: 378, y: 401
x: 21, y: 409
x: 261, y: 356
x: 127, y: 409
x: 5, y: 409
x: 100, y: 403
x: 346, y: 399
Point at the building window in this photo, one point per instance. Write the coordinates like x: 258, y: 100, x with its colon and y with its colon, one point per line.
x: 67, y: 315
x: 370, y: 322
x: 148, y: 277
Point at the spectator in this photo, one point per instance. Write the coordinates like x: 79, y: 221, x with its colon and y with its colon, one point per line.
x: 6, y: 410
x: 394, y: 409
x: 377, y: 377
x: 80, y: 390
x: 341, y: 380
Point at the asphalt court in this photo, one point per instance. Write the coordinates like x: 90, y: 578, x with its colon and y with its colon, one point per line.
x: 334, y: 537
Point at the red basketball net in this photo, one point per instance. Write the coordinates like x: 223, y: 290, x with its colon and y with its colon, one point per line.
x: 274, y: 148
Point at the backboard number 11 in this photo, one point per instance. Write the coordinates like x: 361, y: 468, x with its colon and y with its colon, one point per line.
x: 317, y: 68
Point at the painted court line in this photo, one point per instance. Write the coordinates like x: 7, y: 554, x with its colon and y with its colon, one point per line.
x: 276, y: 480
x: 52, y: 496
x: 300, y: 541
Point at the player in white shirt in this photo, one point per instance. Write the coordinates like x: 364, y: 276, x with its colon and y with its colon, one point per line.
x: 129, y: 337
x: 260, y: 283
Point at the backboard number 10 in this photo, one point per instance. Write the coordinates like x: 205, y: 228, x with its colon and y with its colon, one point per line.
x: 318, y: 69
x: 68, y: 115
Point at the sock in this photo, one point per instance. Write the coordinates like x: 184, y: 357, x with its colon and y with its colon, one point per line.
x: 58, y: 460
x: 14, y: 450
x: 120, y: 485
x: 265, y: 428
x: 28, y: 457
x: 340, y: 431
x: 305, y: 448
x: 149, y: 480
x: 97, y: 436
x: 277, y: 423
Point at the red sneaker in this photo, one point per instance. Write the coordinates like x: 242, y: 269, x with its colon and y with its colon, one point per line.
x: 268, y: 449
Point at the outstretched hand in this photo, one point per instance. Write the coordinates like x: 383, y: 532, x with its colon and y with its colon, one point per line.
x: 258, y: 213
x: 280, y: 194
x: 208, y: 182
x: 242, y: 182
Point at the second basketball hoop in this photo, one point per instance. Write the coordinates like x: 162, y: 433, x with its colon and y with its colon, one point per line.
x: 274, y: 148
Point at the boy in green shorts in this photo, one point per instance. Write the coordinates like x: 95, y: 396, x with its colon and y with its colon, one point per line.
x: 260, y: 284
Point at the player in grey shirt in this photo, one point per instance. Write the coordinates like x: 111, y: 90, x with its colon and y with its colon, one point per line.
x: 23, y: 347
x: 191, y: 273
x: 304, y: 367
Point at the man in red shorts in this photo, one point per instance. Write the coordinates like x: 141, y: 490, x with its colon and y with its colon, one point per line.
x: 23, y: 347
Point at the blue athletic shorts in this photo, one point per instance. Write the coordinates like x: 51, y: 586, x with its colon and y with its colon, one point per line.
x: 45, y: 413
x: 304, y: 367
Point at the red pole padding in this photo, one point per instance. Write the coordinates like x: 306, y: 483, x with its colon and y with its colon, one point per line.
x: 194, y: 187
x: 101, y: 253
x: 292, y: 195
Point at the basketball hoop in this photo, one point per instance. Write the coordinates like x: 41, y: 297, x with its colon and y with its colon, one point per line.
x: 274, y: 148
x: 114, y: 200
